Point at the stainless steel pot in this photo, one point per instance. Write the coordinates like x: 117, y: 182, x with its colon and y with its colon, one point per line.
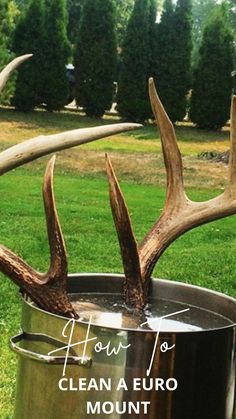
x: 202, y: 363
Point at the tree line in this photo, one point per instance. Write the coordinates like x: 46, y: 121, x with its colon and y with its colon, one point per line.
x: 186, y: 46
x: 163, y: 50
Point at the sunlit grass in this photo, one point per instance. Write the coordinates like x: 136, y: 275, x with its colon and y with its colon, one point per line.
x: 17, y: 126
x: 206, y: 256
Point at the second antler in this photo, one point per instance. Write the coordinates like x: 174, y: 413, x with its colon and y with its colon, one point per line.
x: 48, y: 290
x: 180, y: 214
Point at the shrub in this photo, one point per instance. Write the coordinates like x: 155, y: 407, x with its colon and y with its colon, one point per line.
x: 56, y: 54
x: 29, y: 38
x: 133, y: 101
x: 212, y: 86
x: 95, y: 57
x: 173, y: 57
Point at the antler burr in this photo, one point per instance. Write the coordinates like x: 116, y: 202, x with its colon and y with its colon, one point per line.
x: 48, y: 290
x: 180, y: 214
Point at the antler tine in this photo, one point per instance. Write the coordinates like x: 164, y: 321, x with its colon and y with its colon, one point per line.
x: 6, y: 72
x: 55, y: 297
x: 58, y: 268
x: 232, y: 161
x: 128, y: 245
x: 171, y: 153
x: 41, y: 146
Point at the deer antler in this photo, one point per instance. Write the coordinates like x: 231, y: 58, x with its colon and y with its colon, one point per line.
x: 48, y: 290
x: 6, y: 72
x: 180, y: 214
x: 34, y: 148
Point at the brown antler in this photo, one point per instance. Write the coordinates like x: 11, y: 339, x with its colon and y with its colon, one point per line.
x: 180, y: 214
x: 133, y: 289
x: 48, y: 290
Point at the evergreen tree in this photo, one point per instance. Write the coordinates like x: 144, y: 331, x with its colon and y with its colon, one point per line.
x: 202, y: 10
x: 173, y: 57
x: 4, y: 35
x: 95, y: 57
x: 74, y: 8
x: 56, y: 54
x: 133, y: 101
x: 152, y: 35
x: 8, y: 15
x: 182, y: 58
x: 212, y: 86
x: 231, y: 8
x: 165, y: 66
x: 123, y: 11
x: 29, y: 38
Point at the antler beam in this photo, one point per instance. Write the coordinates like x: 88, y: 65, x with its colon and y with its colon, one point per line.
x: 180, y: 214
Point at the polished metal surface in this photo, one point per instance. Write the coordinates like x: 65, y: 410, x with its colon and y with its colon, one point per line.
x: 46, y: 359
x: 202, y: 362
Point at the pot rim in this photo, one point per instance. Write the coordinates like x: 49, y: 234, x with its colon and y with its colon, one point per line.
x: 171, y: 283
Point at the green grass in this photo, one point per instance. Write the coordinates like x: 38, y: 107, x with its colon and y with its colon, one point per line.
x: 16, y: 127
x: 206, y: 256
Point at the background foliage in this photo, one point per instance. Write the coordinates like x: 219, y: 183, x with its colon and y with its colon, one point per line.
x: 56, y: 55
x: 212, y: 84
x: 29, y: 37
x: 133, y: 102
x: 170, y: 39
x: 95, y: 57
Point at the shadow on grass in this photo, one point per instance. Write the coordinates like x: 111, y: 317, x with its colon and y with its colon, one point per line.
x: 67, y: 120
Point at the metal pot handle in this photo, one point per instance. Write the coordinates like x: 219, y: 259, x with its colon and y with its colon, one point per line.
x: 47, y: 359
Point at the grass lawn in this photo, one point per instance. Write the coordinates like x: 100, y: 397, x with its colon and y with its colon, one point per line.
x: 205, y: 256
